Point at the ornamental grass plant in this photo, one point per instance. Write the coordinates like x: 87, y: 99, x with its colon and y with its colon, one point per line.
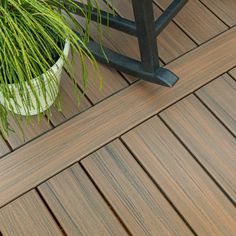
x: 32, y: 38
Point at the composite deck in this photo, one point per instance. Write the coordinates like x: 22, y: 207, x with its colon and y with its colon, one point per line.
x: 138, y: 158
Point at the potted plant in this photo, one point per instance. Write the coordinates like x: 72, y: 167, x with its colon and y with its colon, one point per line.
x: 35, y: 39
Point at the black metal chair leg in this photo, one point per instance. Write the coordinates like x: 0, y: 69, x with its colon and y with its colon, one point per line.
x: 145, y: 25
x: 146, y: 29
x: 146, y: 34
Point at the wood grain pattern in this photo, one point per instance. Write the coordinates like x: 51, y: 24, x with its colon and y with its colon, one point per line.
x: 196, y: 20
x: 189, y: 188
x: 220, y: 97
x: 131, y: 193
x: 225, y: 10
x: 233, y: 73
x: 97, y: 126
x: 4, y: 149
x: 78, y: 206
x: 69, y: 104
x: 112, y: 82
x: 29, y: 130
x: 27, y: 216
x: 207, y: 139
x: 172, y: 42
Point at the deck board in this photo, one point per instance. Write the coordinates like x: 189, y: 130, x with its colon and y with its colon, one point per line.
x: 220, y: 97
x: 131, y: 193
x: 233, y: 73
x: 82, y: 135
x: 186, y: 184
x: 27, y: 131
x: 112, y: 82
x: 225, y: 10
x: 4, y: 149
x: 69, y: 104
x: 27, y: 215
x: 196, y: 20
x: 207, y: 138
x: 78, y: 206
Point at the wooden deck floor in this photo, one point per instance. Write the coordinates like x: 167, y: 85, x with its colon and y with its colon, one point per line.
x: 138, y: 159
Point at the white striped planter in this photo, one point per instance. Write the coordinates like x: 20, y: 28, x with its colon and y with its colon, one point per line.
x: 45, y: 101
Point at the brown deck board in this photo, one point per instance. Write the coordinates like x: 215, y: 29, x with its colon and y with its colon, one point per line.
x: 220, y: 97
x: 4, y: 149
x: 27, y: 215
x: 78, y: 206
x: 28, y: 130
x: 189, y: 188
x: 224, y: 9
x: 207, y: 139
x: 83, y: 134
x: 69, y: 103
x: 172, y: 42
x: 131, y: 193
x: 196, y: 20
x: 112, y: 82
x: 233, y: 73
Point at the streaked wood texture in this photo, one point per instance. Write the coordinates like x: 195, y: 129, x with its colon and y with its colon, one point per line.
x: 224, y: 9
x: 196, y: 20
x: 220, y: 97
x: 69, y: 104
x: 187, y: 185
x: 82, y: 135
x: 131, y: 193
x: 28, y: 216
x: 4, y: 149
x: 233, y: 73
x: 78, y: 206
x: 28, y: 130
x: 98, y: 90
x: 208, y: 140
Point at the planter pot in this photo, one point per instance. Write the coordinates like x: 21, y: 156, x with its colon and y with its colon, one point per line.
x: 46, y: 99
